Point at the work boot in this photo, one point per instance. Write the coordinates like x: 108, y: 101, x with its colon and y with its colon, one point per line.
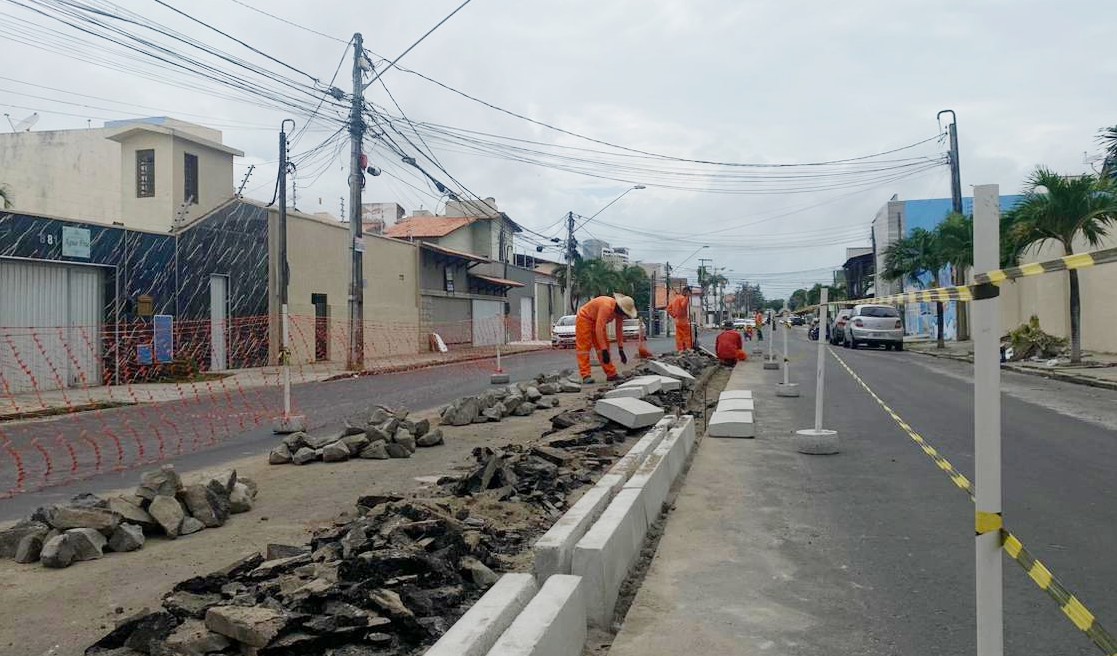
x: 588, y: 380
x: 612, y: 379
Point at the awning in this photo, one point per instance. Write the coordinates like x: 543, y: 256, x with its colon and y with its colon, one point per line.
x: 451, y: 253
x: 498, y: 282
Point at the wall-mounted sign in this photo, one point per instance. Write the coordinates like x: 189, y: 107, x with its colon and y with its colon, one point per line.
x: 75, y: 242
x: 145, y: 306
x: 164, y: 338
x: 143, y: 353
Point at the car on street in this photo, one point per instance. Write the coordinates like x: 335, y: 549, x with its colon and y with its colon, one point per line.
x: 562, y: 333
x: 798, y: 320
x: 632, y: 329
x: 740, y: 324
x: 837, y: 328
x: 874, y: 325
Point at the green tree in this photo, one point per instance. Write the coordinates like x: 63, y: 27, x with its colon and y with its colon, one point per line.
x: 592, y: 278
x: 775, y: 304
x: 5, y: 197
x: 634, y: 281
x: 1108, y: 139
x: 1062, y: 209
x: 914, y: 258
x: 798, y: 299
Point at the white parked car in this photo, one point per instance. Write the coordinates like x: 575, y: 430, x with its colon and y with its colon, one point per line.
x: 632, y: 329
x: 562, y: 333
x: 874, y: 325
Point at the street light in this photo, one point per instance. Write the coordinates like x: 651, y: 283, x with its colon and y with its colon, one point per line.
x: 570, y: 241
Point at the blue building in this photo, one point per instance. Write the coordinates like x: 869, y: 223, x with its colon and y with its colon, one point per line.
x: 897, y: 219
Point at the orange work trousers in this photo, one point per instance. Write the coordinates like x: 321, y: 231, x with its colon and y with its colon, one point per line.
x: 684, y: 336
x: 583, y: 344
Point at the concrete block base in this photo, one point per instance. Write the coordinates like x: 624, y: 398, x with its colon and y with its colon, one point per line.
x: 290, y: 424
x: 771, y: 363
x: 500, y: 379
x: 552, y: 624
x: 650, y: 384
x: 482, y: 625
x: 554, y: 550
x: 788, y: 390
x: 604, y: 556
x: 672, y: 371
x: 731, y: 424
x: 735, y: 405
x: 816, y: 442
x: 630, y: 413
x: 626, y: 392
x: 735, y: 394
x: 757, y: 351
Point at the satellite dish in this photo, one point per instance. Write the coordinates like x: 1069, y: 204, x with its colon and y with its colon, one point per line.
x: 25, y: 125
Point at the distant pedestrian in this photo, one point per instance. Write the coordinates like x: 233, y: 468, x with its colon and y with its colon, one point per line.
x: 759, y: 329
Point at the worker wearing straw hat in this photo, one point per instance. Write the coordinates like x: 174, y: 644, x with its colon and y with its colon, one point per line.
x: 590, y: 332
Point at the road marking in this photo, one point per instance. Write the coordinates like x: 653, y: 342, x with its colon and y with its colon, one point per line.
x: 1075, y: 611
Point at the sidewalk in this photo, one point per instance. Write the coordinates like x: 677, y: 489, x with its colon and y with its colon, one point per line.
x: 1098, y: 369
x: 29, y: 405
x: 735, y: 572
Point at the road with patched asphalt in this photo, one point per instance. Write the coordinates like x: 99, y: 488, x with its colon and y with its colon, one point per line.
x: 164, y: 425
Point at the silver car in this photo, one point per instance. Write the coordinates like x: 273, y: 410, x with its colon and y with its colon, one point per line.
x: 874, y: 325
x: 562, y: 333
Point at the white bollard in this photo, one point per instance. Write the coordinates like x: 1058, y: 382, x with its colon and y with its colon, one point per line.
x: 786, y: 388
x: 770, y: 361
x: 499, y: 377
x: 288, y: 423
x: 817, y: 440
x: 987, y: 425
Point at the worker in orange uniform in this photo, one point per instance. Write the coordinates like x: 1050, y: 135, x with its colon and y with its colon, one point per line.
x: 590, y: 332
x: 729, y: 347
x: 679, y: 310
x: 759, y: 326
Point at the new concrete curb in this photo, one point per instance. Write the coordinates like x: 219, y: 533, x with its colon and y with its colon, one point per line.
x: 603, y: 557
x: 482, y: 625
x: 552, y: 624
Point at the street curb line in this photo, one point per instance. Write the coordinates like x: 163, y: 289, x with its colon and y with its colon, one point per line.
x: 1078, y: 614
x: 1028, y: 371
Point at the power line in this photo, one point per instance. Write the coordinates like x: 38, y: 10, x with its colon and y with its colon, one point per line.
x: 412, y: 46
x: 292, y: 24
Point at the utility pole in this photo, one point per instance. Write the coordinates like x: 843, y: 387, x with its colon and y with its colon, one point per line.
x: 956, y: 207
x: 667, y: 288
x: 569, y: 261
x: 703, y: 273
x: 356, y: 184
x: 651, y: 307
x: 288, y: 423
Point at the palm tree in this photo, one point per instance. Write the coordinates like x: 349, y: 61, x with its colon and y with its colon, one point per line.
x: 1108, y: 139
x: 1063, y: 209
x: 914, y: 258
x: 955, y: 243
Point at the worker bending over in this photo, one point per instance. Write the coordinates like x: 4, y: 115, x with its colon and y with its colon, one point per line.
x: 729, y: 347
x: 590, y: 331
x: 679, y: 310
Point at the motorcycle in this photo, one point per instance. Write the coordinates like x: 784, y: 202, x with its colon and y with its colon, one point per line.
x: 812, y: 334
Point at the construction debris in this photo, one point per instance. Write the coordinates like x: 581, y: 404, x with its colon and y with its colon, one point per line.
x: 88, y: 526
x: 388, y: 582
x: 380, y: 434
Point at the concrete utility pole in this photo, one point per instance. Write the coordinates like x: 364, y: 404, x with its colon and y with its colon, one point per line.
x: 956, y: 207
x: 703, y: 273
x: 569, y: 261
x: 667, y: 288
x: 651, y: 307
x: 356, y: 185
x: 288, y: 423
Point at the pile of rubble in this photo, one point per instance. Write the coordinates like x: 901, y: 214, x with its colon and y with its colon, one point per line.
x: 386, y: 583
x: 695, y: 362
x: 87, y: 526
x: 381, y: 434
x: 518, y: 400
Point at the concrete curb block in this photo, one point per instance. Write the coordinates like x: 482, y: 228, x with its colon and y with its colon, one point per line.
x: 685, y: 429
x: 603, y: 557
x: 790, y: 390
x: 735, y: 394
x: 736, y: 405
x: 552, y: 624
x: 482, y: 625
x: 731, y: 423
x: 632, y: 460
x: 650, y: 384
x: 553, y: 551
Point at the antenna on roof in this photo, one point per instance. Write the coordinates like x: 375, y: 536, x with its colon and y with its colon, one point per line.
x: 25, y: 125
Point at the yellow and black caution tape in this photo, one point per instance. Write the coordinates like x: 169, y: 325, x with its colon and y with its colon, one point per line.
x: 995, y: 277
x: 985, y: 522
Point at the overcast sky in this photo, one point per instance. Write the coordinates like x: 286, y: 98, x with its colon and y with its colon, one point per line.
x: 725, y: 80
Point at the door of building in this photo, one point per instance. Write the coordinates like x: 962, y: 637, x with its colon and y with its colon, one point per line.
x: 50, y: 324
x: 321, y: 327
x: 488, y: 323
x: 218, y: 321
x: 527, y: 319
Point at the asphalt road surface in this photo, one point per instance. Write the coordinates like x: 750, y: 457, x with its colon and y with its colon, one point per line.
x: 904, y: 532
x: 243, y: 419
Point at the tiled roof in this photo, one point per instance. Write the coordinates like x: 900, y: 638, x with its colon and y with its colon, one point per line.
x: 493, y: 280
x: 452, y: 253
x: 420, y: 227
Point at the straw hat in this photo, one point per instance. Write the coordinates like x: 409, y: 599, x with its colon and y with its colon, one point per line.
x: 626, y: 304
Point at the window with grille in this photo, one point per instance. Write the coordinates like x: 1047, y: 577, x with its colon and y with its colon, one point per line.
x: 145, y: 173
x: 190, y: 182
